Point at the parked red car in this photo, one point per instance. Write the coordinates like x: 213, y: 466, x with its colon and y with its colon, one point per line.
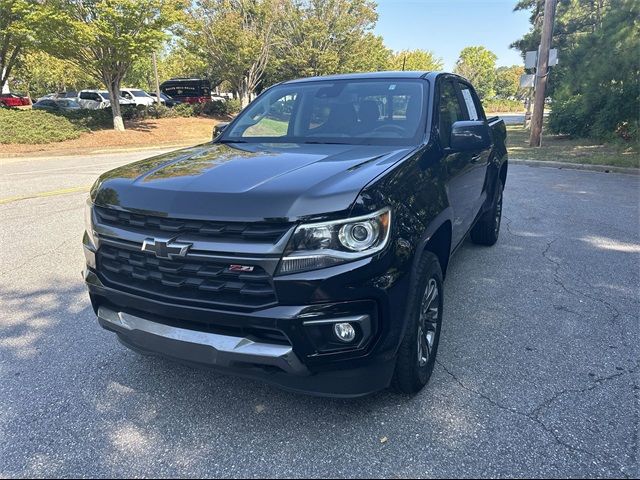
x: 13, y: 100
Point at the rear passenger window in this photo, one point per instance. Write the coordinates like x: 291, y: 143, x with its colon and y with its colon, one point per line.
x: 450, y: 111
x: 472, y: 103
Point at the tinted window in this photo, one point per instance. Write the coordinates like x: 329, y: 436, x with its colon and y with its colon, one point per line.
x: 68, y: 103
x: 449, y: 111
x: 275, y: 122
x: 382, y: 112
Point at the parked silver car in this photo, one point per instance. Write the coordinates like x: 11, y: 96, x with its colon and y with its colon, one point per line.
x: 97, y: 99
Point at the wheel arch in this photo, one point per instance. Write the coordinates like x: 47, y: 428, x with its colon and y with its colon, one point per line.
x: 437, y: 240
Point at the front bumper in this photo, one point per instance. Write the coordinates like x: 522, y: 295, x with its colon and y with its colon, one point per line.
x: 244, y: 358
x: 282, y: 344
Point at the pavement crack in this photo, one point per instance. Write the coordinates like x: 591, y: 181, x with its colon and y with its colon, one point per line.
x: 535, y: 417
x: 509, y: 231
x: 557, y: 278
x: 595, y: 384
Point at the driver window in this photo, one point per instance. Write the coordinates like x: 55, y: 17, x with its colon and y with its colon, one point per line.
x: 275, y: 121
x: 449, y: 112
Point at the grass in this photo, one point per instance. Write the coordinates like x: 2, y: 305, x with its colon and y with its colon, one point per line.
x: 560, y: 148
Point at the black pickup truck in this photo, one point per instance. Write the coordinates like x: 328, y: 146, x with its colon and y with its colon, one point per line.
x: 307, y: 244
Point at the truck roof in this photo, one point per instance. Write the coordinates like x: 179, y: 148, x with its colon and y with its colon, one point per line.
x: 369, y: 75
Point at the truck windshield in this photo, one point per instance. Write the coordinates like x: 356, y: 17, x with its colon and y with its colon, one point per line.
x: 368, y: 112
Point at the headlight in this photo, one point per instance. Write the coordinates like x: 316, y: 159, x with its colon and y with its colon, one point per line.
x: 319, y: 245
x: 88, y: 222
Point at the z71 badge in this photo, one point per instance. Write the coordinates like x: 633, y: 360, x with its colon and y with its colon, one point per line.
x: 240, y: 268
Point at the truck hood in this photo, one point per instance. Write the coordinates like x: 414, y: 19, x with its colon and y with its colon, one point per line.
x: 247, y: 181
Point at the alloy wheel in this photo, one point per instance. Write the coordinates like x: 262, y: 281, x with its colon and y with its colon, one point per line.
x: 428, y: 321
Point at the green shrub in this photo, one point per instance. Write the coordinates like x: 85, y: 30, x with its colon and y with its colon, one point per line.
x: 217, y: 108
x: 35, y: 126
x: 184, y: 110
x: 234, y: 105
x: 568, y: 117
x: 90, y: 119
x: 154, y: 111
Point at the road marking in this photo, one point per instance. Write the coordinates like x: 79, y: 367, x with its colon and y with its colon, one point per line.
x: 73, y: 167
x: 52, y: 193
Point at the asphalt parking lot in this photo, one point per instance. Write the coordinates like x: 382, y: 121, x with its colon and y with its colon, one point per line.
x: 537, y: 373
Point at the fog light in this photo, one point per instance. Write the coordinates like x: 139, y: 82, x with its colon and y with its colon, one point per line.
x: 345, y: 332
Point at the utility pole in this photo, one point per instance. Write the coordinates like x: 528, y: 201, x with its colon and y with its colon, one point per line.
x: 542, y: 73
x: 155, y: 72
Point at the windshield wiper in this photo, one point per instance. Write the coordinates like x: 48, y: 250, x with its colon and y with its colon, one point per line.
x: 233, y: 141
x: 315, y: 142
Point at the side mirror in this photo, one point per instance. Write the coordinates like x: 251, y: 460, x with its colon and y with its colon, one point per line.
x: 470, y: 135
x: 219, y: 128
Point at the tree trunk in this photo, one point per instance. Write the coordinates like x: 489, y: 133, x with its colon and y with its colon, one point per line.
x: 244, y: 93
x: 114, y: 92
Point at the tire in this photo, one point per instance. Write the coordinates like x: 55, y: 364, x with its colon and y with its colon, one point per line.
x: 487, y: 230
x: 414, y: 365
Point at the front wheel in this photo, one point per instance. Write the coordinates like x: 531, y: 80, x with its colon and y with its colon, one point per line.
x: 487, y: 230
x: 417, y: 353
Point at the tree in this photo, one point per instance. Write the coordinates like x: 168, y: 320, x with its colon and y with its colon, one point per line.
x: 38, y: 73
x: 237, y: 38
x: 177, y: 61
x: 508, y: 81
x: 415, y: 60
x: 595, y: 87
x: 17, y: 33
x: 367, y: 54
x: 322, y: 37
x: 105, y: 37
x: 478, y: 65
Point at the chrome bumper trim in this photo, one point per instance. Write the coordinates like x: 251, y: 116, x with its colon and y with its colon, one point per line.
x: 200, y: 347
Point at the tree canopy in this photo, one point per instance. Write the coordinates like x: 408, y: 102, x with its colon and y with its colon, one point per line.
x: 508, y: 81
x: 478, y: 65
x: 18, y: 31
x: 595, y: 87
x: 105, y: 37
x: 415, y: 60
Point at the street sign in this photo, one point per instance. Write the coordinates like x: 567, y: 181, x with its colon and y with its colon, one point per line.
x: 527, y: 80
x: 531, y: 59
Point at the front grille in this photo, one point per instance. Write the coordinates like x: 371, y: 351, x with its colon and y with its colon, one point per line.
x: 260, y: 232
x: 197, y: 282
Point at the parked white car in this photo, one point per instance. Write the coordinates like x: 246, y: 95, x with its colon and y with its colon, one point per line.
x: 97, y: 99
x: 138, y: 96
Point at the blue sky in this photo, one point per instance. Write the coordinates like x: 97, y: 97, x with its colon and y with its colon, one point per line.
x: 447, y: 26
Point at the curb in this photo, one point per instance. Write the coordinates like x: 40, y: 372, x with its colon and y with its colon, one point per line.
x: 576, y: 166
x: 4, y: 160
